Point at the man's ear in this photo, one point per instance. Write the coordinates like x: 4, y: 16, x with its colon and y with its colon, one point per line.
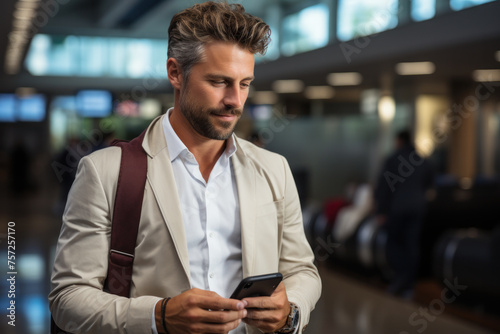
x: 174, y: 73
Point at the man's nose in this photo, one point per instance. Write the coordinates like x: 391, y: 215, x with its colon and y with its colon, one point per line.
x: 234, y: 97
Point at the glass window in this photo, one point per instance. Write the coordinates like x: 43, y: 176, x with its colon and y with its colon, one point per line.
x: 364, y: 17
x: 306, y: 30
x: 97, y: 57
x: 462, y: 4
x: 423, y: 9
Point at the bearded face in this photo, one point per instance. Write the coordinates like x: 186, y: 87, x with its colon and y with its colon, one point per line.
x: 212, y: 123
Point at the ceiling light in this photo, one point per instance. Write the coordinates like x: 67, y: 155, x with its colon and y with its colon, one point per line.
x: 264, y: 97
x: 319, y: 92
x: 486, y: 75
x: 344, y: 79
x: 369, y: 100
x: 288, y: 86
x: 18, y: 37
x: 415, y: 68
x: 21, y: 24
x: 24, y: 14
x: 26, y: 10
x: 25, y: 91
x: 386, y: 108
x: 11, y: 67
x: 497, y: 55
x: 26, y: 5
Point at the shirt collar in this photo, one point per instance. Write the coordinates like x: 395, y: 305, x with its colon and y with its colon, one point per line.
x: 176, y: 146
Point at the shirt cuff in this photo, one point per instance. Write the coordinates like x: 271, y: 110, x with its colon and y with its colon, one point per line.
x: 154, y: 330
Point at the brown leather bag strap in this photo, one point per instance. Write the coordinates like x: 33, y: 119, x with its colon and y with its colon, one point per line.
x: 126, y: 215
x: 126, y: 219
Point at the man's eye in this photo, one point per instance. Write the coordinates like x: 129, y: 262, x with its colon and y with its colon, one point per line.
x: 218, y: 83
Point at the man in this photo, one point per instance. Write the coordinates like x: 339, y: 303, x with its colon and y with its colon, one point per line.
x: 400, y: 206
x: 216, y: 208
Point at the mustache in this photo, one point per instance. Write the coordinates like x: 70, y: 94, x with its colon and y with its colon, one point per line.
x: 223, y: 112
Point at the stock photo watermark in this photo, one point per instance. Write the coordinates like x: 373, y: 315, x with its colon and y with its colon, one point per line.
x: 92, y: 139
x: 325, y: 248
x: 454, y: 118
x: 420, y: 319
x: 11, y: 273
x: 96, y: 137
x: 367, y: 31
x: 23, y: 29
x: 278, y: 123
x: 406, y: 168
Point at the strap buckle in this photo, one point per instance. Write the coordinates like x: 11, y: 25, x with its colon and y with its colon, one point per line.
x: 121, y: 253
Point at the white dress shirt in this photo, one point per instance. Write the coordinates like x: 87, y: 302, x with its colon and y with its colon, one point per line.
x: 211, y: 216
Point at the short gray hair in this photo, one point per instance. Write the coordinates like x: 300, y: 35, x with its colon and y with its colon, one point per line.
x: 193, y: 27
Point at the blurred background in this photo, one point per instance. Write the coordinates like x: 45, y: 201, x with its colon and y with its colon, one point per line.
x: 339, y: 80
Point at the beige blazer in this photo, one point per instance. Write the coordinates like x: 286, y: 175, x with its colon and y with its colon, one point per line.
x: 271, y: 232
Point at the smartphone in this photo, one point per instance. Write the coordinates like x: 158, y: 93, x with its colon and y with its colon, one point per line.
x: 257, y: 286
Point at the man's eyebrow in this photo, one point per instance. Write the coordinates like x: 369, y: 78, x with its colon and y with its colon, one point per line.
x: 226, y: 78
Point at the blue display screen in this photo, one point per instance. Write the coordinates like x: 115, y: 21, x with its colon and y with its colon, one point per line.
x: 7, y: 108
x: 30, y: 108
x: 94, y: 103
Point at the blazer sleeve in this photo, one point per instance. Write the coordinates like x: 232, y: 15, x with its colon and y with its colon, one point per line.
x: 302, y: 281
x: 76, y: 300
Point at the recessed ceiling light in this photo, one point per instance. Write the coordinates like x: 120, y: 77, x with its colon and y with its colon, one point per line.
x: 25, y: 11
x: 344, y: 79
x: 27, y: 4
x: 415, y: 68
x: 319, y: 92
x: 24, y: 14
x: 21, y: 24
x: 386, y: 108
x: 486, y: 75
x: 264, y: 97
x: 288, y: 86
x: 25, y: 91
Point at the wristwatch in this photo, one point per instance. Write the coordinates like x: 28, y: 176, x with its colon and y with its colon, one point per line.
x: 292, y: 322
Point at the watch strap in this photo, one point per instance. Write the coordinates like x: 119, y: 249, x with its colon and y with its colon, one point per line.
x: 292, y: 321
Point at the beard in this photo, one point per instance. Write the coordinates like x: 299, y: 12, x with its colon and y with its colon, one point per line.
x: 202, y: 121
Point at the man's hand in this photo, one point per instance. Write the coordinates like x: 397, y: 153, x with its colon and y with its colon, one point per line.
x: 200, y: 311
x: 269, y: 314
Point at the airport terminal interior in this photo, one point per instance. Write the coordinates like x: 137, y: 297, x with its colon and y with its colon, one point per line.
x: 339, y: 80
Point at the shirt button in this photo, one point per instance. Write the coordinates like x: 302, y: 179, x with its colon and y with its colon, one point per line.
x: 212, y: 275
x: 211, y: 234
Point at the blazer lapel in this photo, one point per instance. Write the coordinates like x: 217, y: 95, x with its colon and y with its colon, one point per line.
x: 245, y: 180
x: 161, y: 179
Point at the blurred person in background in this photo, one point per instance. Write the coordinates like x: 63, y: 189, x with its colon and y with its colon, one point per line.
x: 400, y: 202
x: 216, y: 208
x: 68, y: 159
